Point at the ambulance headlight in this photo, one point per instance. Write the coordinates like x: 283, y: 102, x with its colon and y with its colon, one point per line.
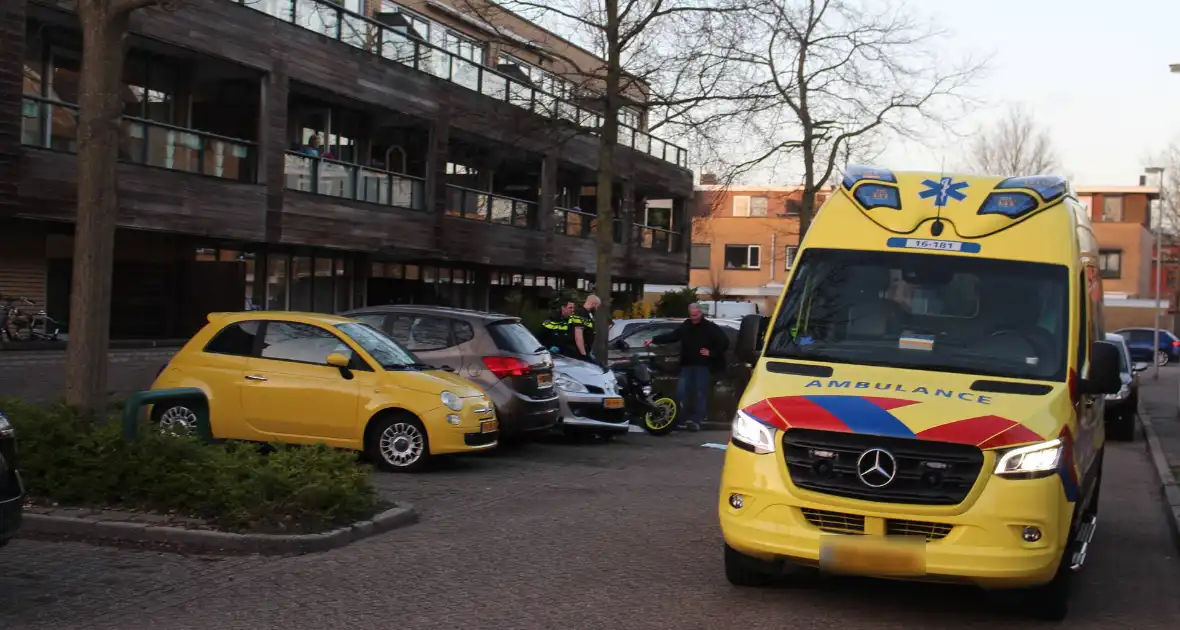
x: 1030, y: 462
x: 751, y: 435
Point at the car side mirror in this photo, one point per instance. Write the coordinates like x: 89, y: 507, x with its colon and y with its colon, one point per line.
x: 619, y: 344
x: 1104, y: 370
x: 1140, y: 367
x: 340, y: 362
x: 750, y: 338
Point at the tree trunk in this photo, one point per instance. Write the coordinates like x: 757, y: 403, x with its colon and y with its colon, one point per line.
x: 103, y: 32
x: 606, y: 182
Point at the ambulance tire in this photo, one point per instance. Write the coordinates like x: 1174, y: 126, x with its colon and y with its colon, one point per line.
x: 1051, y: 601
x: 742, y: 570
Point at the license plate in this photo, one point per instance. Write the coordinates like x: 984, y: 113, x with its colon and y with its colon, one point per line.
x: 489, y: 426
x: 883, y: 556
x: 613, y: 403
x: 545, y: 380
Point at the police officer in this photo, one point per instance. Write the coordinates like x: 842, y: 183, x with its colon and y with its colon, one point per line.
x: 559, y: 336
x: 583, y: 326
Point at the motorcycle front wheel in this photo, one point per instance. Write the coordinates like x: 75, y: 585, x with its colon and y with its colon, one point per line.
x: 662, y: 418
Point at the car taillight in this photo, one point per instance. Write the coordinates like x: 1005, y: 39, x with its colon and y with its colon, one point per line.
x: 504, y: 367
x: 1176, y: 344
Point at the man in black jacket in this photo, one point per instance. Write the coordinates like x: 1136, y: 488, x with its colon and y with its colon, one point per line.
x: 702, y: 354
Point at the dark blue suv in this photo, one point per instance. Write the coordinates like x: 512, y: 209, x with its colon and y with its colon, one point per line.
x: 1141, y: 342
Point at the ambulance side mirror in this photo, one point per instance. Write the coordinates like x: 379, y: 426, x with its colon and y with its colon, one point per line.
x: 750, y: 338
x: 1104, y: 377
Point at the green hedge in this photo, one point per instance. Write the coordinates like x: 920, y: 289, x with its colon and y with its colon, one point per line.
x: 234, y: 486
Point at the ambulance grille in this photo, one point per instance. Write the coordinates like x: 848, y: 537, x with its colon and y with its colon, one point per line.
x: 927, y: 473
x: 835, y: 522
x: 929, y: 531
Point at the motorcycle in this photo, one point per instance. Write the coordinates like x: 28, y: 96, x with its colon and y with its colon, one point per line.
x: 18, y: 325
x: 656, y: 410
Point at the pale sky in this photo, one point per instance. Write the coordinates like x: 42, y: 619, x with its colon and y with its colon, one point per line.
x: 1094, y: 72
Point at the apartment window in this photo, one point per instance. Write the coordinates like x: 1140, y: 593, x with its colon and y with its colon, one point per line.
x: 758, y: 206
x: 789, y: 256
x: 743, y: 256
x: 1110, y: 261
x: 700, y: 256
x: 1112, y: 208
x: 794, y: 207
x: 630, y: 117
x: 741, y: 206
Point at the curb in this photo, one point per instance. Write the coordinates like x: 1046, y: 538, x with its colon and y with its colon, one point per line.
x: 1169, y: 489
x: 208, y: 541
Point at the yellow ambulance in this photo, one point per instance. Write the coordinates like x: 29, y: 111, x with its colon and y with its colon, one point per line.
x: 927, y: 399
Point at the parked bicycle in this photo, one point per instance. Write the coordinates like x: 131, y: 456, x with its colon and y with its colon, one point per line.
x: 19, y: 322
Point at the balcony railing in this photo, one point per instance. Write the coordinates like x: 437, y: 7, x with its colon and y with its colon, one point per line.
x: 478, y: 205
x: 332, y: 20
x: 654, y: 238
x: 323, y: 176
x: 52, y: 124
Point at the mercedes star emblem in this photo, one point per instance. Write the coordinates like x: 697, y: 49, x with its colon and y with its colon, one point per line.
x: 876, y: 468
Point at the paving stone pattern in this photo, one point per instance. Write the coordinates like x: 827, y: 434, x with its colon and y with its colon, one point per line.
x: 579, y: 536
x: 38, y: 375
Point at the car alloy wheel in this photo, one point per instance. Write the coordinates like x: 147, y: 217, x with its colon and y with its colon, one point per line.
x: 1161, y: 357
x: 401, y: 444
x: 178, y: 420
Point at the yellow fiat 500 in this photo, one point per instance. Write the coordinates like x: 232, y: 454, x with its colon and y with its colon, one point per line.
x: 305, y: 378
x: 927, y: 400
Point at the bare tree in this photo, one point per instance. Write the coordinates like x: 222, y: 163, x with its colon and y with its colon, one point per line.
x: 649, y: 55
x: 104, y: 31
x: 1015, y: 145
x: 827, y: 75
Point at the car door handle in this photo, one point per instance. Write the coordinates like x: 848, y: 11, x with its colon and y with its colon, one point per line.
x: 254, y: 377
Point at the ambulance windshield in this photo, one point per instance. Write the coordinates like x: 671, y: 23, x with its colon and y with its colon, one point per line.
x: 962, y: 314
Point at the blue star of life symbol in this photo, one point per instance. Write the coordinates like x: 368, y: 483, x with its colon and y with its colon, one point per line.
x: 943, y: 189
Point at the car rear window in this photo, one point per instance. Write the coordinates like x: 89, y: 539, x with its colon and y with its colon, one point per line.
x: 513, y: 337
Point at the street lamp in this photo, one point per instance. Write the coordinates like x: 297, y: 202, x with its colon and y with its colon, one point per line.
x: 1175, y: 68
x: 1157, y: 268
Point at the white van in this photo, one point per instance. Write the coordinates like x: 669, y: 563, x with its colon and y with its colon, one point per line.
x: 728, y: 309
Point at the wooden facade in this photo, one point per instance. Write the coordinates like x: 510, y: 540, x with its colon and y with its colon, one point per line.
x: 38, y: 183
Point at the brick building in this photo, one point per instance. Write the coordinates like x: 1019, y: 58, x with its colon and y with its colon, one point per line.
x: 322, y: 155
x: 744, y: 242
x: 1123, y: 219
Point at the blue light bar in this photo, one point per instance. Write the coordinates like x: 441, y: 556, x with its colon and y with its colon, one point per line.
x: 878, y: 196
x: 1010, y: 204
x: 1049, y: 187
x: 855, y: 173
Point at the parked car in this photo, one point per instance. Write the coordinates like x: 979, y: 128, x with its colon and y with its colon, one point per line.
x: 12, y: 491
x: 620, y: 326
x: 300, y: 378
x: 1122, y: 406
x: 664, y: 361
x: 494, y: 351
x: 1141, y: 341
x: 590, y: 399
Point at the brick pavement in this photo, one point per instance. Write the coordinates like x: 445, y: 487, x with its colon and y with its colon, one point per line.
x: 578, y: 536
x: 1161, y: 399
x: 38, y: 375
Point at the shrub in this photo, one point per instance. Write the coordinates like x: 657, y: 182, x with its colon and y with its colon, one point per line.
x: 675, y: 303
x: 234, y: 486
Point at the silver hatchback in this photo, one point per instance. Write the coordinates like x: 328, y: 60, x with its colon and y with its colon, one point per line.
x: 493, y: 350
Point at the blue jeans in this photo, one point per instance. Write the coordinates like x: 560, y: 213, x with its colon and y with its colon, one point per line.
x: 695, y: 382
